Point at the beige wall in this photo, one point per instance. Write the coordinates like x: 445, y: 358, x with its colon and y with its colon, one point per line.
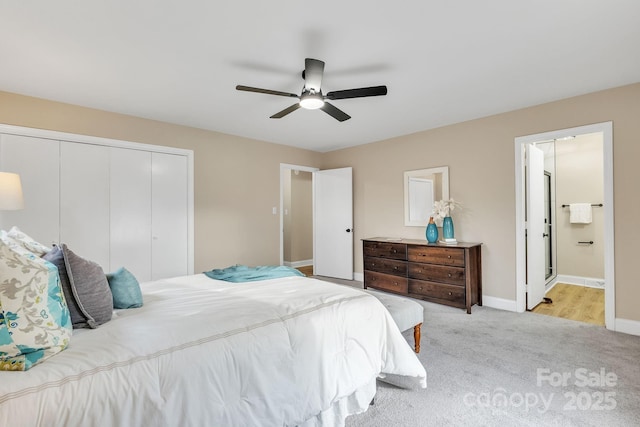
x: 485, y: 148
x: 579, y: 178
x: 237, y: 179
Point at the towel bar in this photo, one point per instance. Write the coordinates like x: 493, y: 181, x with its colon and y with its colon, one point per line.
x: 599, y: 205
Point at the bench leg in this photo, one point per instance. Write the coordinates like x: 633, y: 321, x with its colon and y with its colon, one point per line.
x: 416, y: 336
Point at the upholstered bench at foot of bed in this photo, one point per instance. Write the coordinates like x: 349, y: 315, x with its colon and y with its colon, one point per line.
x: 406, y: 312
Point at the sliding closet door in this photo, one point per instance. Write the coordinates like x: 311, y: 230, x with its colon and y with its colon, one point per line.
x: 84, y: 200
x: 117, y: 203
x: 169, y: 216
x: 130, y: 193
x: 36, y: 160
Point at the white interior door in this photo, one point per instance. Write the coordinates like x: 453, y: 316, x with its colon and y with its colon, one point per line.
x: 535, y: 226
x: 333, y: 223
x: 169, y: 216
x: 130, y: 202
x: 84, y: 200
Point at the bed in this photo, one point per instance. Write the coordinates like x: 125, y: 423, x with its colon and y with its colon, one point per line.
x: 291, y: 351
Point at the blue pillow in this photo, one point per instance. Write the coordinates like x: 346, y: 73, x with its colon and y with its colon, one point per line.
x: 125, y: 289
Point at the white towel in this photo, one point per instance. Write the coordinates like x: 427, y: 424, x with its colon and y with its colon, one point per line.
x: 580, y: 213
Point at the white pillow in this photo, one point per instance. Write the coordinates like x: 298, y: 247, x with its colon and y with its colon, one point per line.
x: 12, y: 243
x: 27, y: 242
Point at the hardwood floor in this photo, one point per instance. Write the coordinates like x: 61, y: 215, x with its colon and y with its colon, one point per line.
x: 574, y: 302
x: 307, y: 270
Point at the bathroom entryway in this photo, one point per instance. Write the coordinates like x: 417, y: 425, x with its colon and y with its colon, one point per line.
x: 570, y: 267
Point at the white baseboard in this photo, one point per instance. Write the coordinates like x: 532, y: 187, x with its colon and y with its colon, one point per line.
x: 359, y: 277
x: 627, y: 326
x: 589, y: 282
x: 499, y: 303
x: 296, y: 264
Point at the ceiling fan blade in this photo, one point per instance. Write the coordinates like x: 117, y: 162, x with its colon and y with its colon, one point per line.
x: 335, y: 112
x: 313, y: 70
x: 357, y: 93
x: 266, y: 91
x: 286, y: 111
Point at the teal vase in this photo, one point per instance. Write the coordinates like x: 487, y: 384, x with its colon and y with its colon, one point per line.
x: 447, y: 228
x: 432, y: 232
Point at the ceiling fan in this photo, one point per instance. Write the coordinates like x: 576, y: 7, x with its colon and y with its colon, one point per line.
x: 312, y: 98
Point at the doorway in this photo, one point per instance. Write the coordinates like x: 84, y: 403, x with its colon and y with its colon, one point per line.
x: 555, y: 258
x: 296, y: 216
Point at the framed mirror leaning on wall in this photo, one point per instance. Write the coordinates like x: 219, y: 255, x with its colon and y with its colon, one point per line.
x: 422, y: 187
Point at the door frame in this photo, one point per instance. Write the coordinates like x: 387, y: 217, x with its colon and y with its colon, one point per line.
x: 285, y: 167
x: 606, y: 128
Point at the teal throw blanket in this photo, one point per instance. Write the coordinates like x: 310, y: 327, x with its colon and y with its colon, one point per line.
x: 242, y: 273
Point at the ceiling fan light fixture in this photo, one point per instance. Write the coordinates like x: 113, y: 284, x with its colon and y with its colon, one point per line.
x: 312, y: 98
x: 311, y: 101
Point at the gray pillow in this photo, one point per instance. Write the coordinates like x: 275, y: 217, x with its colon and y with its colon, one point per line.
x: 85, y: 287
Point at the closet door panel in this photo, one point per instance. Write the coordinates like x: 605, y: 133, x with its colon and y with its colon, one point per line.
x: 130, y: 194
x: 169, y: 216
x: 84, y: 200
x: 36, y: 160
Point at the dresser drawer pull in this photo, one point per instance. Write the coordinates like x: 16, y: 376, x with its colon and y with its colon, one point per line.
x: 395, y: 267
x: 450, y: 293
x: 449, y: 274
x: 394, y: 251
x: 449, y: 256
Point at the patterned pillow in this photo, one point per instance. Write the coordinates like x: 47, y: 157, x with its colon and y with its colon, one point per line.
x: 84, y: 285
x: 27, y: 242
x: 34, y: 319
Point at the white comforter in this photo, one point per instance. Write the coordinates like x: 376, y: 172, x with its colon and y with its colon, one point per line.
x: 201, y: 352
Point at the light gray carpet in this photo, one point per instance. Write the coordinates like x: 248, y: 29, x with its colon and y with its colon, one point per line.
x: 483, y: 371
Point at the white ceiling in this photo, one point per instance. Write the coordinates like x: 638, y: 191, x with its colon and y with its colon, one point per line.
x: 443, y: 61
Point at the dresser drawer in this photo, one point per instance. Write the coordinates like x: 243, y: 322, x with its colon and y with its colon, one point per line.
x: 385, y: 250
x: 439, y: 291
x: 385, y: 282
x: 436, y: 255
x: 437, y: 273
x: 383, y: 265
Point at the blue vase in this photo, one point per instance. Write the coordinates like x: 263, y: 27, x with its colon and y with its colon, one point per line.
x: 432, y: 233
x: 447, y: 228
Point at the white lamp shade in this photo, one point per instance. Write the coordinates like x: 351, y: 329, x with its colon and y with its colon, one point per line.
x: 10, y: 192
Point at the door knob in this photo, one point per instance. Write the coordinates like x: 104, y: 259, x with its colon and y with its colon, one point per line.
x: 348, y: 230
x: 545, y: 235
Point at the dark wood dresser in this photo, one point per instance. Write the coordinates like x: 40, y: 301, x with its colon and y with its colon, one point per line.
x: 445, y: 274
